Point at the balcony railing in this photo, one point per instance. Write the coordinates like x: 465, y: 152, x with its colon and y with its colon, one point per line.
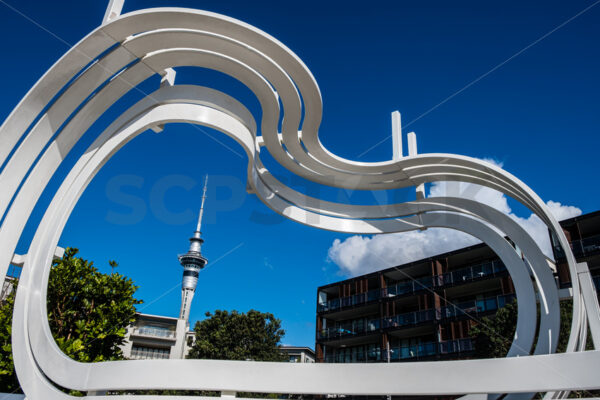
x: 475, y: 307
x: 353, y: 328
x: 581, y: 248
x: 357, y: 299
x: 365, y: 326
x: 156, y: 332
x: 411, y: 318
x: 411, y: 286
x: 469, y: 274
x: 422, y: 350
x: 460, y: 276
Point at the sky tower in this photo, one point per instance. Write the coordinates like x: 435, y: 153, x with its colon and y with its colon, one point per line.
x: 192, y: 262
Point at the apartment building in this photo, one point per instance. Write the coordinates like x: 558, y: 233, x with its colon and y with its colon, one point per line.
x: 299, y: 354
x: 157, y: 337
x: 583, y: 233
x: 424, y: 310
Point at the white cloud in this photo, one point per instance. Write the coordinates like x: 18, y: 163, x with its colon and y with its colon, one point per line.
x: 358, y: 255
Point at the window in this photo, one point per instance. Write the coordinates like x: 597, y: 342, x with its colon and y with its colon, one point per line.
x: 156, y: 330
x: 149, y: 353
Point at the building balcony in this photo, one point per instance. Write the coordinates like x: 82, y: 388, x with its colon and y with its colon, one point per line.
x: 363, y: 326
x: 470, y: 274
x: 349, y: 301
x: 151, y: 332
x: 581, y: 248
x: 404, y: 353
x: 355, y: 328
x: 408, y: 287
x: 475, y: 307
x: 427, y: 350
x: 409, y: 319
x: 452, y: 278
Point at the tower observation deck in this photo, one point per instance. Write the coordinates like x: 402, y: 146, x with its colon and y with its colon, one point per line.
x: 192, y: 262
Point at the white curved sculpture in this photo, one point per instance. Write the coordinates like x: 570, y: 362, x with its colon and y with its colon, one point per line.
x: 116, y: 57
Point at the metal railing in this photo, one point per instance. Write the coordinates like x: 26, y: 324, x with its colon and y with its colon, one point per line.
x: 364, y: 326
x: 581, y: 248
x: 407, y: 287
x: 475, y: 307
x: 410, y: 318
x: 466, y: 309
x: 360, y: 298
x: 421, y: 350
x: 463, y: 275
x: 469, y: 274
x: 352, y: 328
x: 157, y: 332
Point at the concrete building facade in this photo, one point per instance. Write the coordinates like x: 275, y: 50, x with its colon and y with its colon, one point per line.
x: 157, y: 337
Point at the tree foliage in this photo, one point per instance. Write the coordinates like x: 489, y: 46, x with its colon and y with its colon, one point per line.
x: 8, y: 378
x: 238, y: 336
x: 88, y: 313
x: 494, y: 335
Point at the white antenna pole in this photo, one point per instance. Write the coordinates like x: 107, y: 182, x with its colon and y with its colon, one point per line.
x: 396, y: 136
x: 202, y: 205
x: 113, y: 10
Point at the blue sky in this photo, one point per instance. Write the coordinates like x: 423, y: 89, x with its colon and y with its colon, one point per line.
x: 538, y: 115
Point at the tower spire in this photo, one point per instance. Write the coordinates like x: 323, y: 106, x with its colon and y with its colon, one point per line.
x: 192, y: 262
x: 201, y: 213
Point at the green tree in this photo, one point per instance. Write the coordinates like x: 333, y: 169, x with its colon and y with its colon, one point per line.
x: 494, y: 335
x: 113, y: 264
x: 8, y: 378
x: 238, y: 336
x: 88, y: 313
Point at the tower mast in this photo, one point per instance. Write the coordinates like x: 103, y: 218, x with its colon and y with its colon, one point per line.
x: 192, y: 262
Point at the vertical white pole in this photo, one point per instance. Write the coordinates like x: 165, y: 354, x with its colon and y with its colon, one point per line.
x: 411, y: 139
x: 168, y: 77
x: 396, y: 136
x: 113, y: 10
x: 590, y: 299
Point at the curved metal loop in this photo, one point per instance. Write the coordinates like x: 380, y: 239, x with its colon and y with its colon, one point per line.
x: 127, y: 50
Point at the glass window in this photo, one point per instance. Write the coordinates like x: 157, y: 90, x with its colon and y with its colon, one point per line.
x: 149, y: 353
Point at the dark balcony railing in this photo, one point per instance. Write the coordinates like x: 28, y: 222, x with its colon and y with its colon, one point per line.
x: 411, y: 318
x: 422, y: 350
x: 417, y: 351
x: 464, y: 309
x: 357, y: 299
x: 469, y: 274
x: 460, y: 276
x: 353, y: 328
x: 363, y: 326
x: 581, y: 248
x: 405, y: 287
x: 356, y: 355
x: 475, y: 307
x: 431, y: 349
